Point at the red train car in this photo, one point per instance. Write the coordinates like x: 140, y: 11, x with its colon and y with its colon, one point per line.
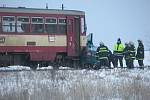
x: 40, y: 35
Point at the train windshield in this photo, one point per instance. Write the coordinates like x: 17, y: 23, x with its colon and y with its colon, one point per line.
x: 83, y: 25
x: 90, y: 45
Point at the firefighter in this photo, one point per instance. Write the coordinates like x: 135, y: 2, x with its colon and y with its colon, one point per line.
x: 111, y: 59
x: 125, y: 53
x: 118, y: 53
x: 129, y: 53
x: 102, y: 55
x: 140, y: 53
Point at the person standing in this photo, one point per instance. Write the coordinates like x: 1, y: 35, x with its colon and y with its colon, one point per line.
x: 118, y: 53
x: 102, y: 54
x: 129, y: 53
x: 126, y: 53
x: 140, y: 53
x: 111, y: 59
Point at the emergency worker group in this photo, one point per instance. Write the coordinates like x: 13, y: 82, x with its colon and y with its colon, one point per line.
x: 121, y: 51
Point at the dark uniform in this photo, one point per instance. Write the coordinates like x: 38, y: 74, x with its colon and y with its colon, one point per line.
x: 111, y: 59
x: 118, y: 53
x: 129, y: 54
x: 102, y: 55
x: 140, y: 53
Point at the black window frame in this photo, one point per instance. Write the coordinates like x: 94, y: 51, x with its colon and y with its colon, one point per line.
x: 62, y: 25
x: 27, y: 22
x: 37, y: 24
x: 12, y: 25
x: 52, y: 25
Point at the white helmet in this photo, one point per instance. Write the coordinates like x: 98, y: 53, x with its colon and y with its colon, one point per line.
x: 101, y: 43
x: 126, y: 43
x: 131, y: 43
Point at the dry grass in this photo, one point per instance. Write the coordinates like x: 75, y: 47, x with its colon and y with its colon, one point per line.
x: 75, y: 85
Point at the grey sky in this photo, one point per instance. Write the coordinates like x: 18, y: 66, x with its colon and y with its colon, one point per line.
x: 107, y: 19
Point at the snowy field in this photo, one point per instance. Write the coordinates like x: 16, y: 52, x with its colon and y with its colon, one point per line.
x: 109, y: 84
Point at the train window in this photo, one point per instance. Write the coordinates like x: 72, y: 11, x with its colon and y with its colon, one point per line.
x: 37, y: 20
x: 23, y: 19
x: 37, y: 25
x: 62, y: 25
x: 51, y: 25
x: 62, y: 21
x: 51, y: 20
x: 8, y: 24
x: 23, y: 24
x: 0, y: 24
x: 83, y: 26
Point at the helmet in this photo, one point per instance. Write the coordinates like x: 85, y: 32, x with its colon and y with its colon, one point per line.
x: 131, y: 43
x: 140, y: 41
x: 101, y: 43
x: 126, y: 43
x: 119, y: 40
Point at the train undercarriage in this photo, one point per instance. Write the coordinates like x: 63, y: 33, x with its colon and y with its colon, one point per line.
x: 61, y: 59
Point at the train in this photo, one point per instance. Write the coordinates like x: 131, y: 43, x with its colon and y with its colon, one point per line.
x: 32, y: 36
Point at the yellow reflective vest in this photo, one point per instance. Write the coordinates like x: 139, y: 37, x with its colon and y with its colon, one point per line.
x: 118, y: 49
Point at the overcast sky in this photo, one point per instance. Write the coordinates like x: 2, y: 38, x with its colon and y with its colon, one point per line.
x: 107, y: 19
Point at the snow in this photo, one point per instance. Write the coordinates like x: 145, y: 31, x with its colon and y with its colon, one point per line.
x: 77, y: 84
x: 103, y: 84
x: 61, y: 67
x: 147, y: 58
x: 16, y: 68
x: 43, y: 68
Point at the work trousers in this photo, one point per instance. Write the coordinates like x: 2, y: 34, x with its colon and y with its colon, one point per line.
x: 130, y: 63
x: 120, y: 58
x: 140, y: 63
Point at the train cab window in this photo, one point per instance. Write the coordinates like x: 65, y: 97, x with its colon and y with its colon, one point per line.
x: 37, y: 25
x: 8, y: 24
x: 23, y: 24
x: 51, y: 25
x: 62, y: 25
x: 0, y: 24
x: 83, y: 25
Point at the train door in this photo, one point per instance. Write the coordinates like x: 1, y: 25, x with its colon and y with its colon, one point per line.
x: 77, y: 35
x: 73, y: 36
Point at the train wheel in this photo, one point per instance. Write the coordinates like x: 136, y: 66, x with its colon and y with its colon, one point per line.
x: 60, y: 60
x: 33, y: 65
x: 68, y: 62
x: 5, y: 60
x: 76, y: 63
